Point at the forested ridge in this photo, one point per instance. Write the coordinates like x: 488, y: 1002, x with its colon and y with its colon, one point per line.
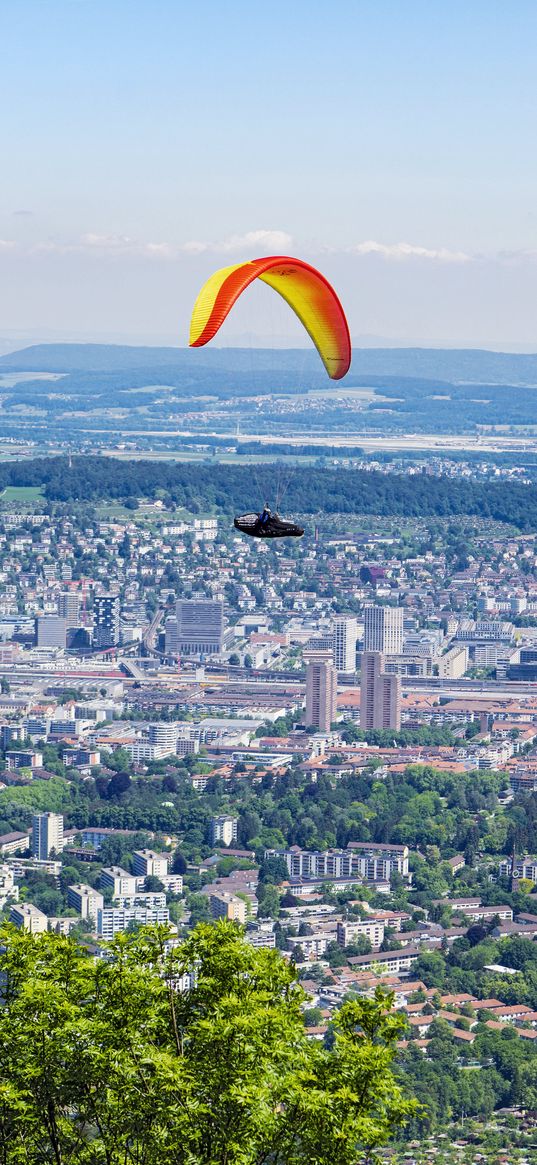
x: 475, y: 365
x: 310, y: 491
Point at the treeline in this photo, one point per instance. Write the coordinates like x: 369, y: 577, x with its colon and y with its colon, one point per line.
x: 229, y: 489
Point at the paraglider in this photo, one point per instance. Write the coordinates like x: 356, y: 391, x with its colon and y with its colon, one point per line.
x: 307, y: 292
x: 313, y: 300
x: 267, y: 525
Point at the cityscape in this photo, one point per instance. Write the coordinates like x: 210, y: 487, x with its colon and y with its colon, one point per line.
x: 268, y: 583
x: 334, y: 746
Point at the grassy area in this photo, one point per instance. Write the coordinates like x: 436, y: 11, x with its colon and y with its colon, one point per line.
x: 21, y: 493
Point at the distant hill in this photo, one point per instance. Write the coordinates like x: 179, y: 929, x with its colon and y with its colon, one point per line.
x: 124, y: 358
x: 473, y: 366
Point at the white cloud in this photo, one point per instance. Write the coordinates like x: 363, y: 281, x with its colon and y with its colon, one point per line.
x: 263, y: 240
x: 253, y: 242
x: 410, y: 251
x: 6, y: 245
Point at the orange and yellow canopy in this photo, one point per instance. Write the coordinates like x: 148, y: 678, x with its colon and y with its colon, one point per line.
x: 307, y: 292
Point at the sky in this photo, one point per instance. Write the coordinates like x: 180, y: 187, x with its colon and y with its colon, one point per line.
x: 144, y: 143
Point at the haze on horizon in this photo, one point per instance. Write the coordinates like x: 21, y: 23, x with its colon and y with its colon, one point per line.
x: 146, y: 143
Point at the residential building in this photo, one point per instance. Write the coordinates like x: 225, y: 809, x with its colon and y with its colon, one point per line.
x: 26, y: 916
x: 372, y: 929
x: 223, y: 830
x: 23, y: 759
x: 228, y: 906
x: 368, y: 861
x: 345, y: 635
x: 106, y: 621
x: 8, y: 888
x: 85, y: 900
x: 383, y: 630
x: 94, y: 835
x: 387, y: 962
x: 112, y: 920
x: 454, y: 662
x: 147, y: 863
x: 321, y: 690
x: 47, y: 835
x: 69, y: 607
x: 12, y: 734
x: 14, y: 843
x: 118, y: 880
x: 200, y: 626
x: 380, y: 694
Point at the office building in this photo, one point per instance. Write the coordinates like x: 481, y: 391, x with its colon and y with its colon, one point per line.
x: 51, y: 631
x: 200, y: 626
x: 147, y: 863
x: 85, y: 900
x: 69, y: 607
x: 223, y: 830
x: 383, y: 630
x: 47, y: 835
x: 165, y: 735
x: 106, y: 621
x: 321, y: 690
x: 380, y: 694
x: 171, y: 636
x: 344, y: 635
x: 228, y: 906
x: 26, y: 916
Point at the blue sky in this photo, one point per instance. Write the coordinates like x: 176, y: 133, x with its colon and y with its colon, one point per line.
x: 146, y: 142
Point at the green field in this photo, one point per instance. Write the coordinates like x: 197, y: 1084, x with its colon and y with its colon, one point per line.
x: 21, y: 493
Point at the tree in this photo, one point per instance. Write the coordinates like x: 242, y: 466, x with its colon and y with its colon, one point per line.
x: 105, y: 1061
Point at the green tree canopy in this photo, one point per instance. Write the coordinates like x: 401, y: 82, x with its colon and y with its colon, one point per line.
x: 111, y: 1061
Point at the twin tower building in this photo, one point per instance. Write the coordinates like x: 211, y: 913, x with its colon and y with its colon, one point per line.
x: 380, y: 692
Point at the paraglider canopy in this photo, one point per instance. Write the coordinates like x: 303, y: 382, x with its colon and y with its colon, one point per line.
x: 307, y: 292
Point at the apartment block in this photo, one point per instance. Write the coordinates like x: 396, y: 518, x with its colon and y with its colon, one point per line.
x: 321, y: 690
x: 364, y: 860
x: 147, y: 863
x: 26, y: 916
x: 380, y: 694
x: 223, y: 830
x: 118, y: 880
x: 47, y: 835
x: 112, y: 920
x: 228, y: 906
x: 85, y: 900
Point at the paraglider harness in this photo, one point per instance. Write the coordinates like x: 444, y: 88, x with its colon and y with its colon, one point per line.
x: 267, y: 525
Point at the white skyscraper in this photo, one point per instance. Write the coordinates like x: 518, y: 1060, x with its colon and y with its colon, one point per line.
x: 383, y: 630
x: 47, y: 834
x: 344, y: 634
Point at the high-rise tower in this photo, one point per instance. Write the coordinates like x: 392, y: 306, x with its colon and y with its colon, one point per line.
x: 383, y: 630
x: 380, y: 694
x: 321, y: 690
